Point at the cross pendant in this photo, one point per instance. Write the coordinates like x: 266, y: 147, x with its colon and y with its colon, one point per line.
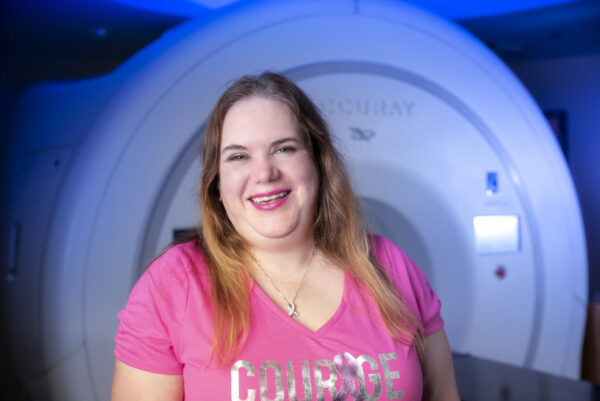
x: 292, y: 310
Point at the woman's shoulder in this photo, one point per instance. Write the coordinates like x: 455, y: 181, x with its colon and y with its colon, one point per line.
x: 189, y: 250
x: 383, y: 248
x: 151, y: 323
x: 395, y: 261
x: 410, y: 282
x: 177, y: 263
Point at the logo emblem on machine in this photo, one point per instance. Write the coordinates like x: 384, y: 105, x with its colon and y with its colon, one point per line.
x: 351, y: 106
x: 361, y: 134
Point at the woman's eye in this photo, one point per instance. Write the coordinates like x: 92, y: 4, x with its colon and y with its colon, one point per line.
x: 236, y: 157
x: 285, y: 149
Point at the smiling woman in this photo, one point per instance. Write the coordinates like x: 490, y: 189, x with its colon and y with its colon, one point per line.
x: 282, y: 284
x: 267, y: 178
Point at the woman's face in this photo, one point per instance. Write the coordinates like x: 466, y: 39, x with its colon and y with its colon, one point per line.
x: 268, y: 181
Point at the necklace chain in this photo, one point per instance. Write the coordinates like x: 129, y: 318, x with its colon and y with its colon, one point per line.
x: 292, y: 312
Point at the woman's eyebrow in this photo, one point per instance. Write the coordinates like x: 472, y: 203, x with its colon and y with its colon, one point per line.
x: 232, y: 147
x: 274, y: 143
x: 283, y: 140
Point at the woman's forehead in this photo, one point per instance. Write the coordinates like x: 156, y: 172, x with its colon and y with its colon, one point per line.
x: 258, y: 120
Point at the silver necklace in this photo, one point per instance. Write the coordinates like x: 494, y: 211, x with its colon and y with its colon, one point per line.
x: 292, y: 312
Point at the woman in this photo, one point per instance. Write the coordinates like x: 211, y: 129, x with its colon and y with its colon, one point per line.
x: 283, y: 296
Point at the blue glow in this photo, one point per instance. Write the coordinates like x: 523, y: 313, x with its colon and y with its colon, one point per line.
x: 213, y: 3
x: 100, y: 32
x: 449, y: 9
x: 477, y: 8
x: 184, y: 8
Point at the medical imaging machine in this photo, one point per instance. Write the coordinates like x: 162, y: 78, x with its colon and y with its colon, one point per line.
x: 450, y: 154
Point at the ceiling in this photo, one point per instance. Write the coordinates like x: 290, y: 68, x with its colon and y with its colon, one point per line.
x: 70, y: 39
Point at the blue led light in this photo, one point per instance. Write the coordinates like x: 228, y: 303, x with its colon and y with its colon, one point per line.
x: 491, y: 186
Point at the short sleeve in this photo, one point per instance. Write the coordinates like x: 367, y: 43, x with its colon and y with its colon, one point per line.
x: 150, y: 325
x: 411, y: 282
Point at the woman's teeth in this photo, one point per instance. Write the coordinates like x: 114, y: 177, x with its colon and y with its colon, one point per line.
x: 262, y: 199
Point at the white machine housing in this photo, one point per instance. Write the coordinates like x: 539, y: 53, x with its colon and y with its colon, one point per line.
x: 452, y: 157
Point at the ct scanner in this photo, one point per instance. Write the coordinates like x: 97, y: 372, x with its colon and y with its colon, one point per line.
x: 450, y: 154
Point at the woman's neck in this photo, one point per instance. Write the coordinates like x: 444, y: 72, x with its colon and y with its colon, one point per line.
x: 285, y: 263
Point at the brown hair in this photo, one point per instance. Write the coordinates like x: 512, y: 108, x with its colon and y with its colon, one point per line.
x: 227, y: 254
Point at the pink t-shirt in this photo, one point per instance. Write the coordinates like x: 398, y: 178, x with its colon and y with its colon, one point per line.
x: 166, y: 328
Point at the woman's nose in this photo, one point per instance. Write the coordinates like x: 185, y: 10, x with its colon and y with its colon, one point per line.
x: 266, y: 170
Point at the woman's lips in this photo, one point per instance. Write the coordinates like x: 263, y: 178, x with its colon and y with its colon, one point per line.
x: 269, y: 200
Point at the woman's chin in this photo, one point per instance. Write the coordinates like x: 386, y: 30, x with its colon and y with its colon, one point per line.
x: 280, y: 236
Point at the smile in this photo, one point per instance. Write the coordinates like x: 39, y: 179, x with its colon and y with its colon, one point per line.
x: 269, y: 198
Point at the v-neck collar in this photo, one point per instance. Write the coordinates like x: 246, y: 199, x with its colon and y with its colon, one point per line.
x: 281, y: 314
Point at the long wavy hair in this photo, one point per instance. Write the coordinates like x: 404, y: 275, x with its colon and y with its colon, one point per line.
x: 228, y: 255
